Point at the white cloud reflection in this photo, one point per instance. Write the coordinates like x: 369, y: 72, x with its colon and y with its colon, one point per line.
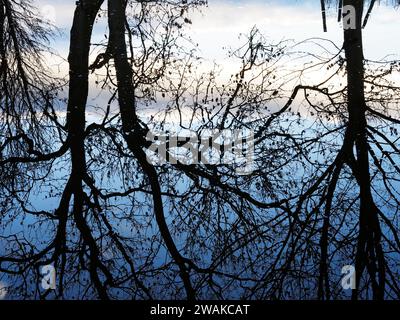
x: 3, y: 290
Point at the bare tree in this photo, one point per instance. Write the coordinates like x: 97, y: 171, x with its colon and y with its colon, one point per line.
x: 320, y: 191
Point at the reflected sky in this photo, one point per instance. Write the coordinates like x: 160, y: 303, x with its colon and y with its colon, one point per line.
x: 218, y: 25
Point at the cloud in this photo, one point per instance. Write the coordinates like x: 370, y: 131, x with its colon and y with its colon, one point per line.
x: 58, y: 12
x: 220, y: 23
x: 218, y: 26
x: 3, y: 290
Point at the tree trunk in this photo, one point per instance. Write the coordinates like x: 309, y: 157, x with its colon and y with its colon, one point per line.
x: 81, y: 31
x: 133, y: 131
x: 369, y: 250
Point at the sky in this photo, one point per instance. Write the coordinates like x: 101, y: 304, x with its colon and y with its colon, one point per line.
x: 218, y: 25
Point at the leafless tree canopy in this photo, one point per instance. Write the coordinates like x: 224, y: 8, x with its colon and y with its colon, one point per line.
x: 82, y: 196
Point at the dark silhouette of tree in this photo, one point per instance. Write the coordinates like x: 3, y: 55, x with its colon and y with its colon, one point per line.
x: 320, y: 191
x: 355, y: 154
